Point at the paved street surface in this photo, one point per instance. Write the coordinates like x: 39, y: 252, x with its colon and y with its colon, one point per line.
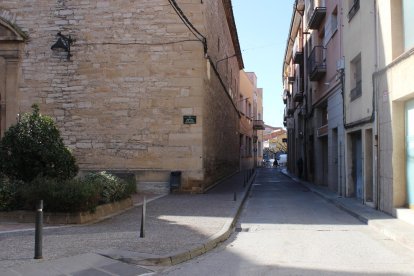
x: 285, y: 229
x: 175, y: 223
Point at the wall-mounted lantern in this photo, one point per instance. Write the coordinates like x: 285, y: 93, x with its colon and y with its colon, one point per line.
x: 63, y: 43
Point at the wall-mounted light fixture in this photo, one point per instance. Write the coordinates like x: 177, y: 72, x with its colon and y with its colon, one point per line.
x: 63, y: 43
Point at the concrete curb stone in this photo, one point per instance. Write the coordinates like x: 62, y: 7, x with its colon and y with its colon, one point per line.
x: 393, y: 228
x: 211, y: 243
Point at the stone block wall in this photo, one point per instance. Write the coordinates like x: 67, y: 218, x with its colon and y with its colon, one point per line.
x: 135, y: 71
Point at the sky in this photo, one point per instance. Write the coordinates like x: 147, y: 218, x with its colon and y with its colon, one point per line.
x: 263, y: 27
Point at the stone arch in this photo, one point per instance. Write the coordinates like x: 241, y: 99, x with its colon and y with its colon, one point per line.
x: 11, y: 43
x: 8, y: 32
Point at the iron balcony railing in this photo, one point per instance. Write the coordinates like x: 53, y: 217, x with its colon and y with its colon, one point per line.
x: 317, y: 63
x: 258, y: 125
x: 298, y: 90
x: 315, y: 13
x: 286, y: 95
x: 298, y: 51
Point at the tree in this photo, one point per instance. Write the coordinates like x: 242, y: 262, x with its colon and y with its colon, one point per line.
x: 33, y: 147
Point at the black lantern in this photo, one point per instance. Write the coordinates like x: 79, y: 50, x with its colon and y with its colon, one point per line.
x: 63, y: 43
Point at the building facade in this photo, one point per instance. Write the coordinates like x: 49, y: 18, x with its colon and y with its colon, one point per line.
x: 357, y: 99
x: 359, y: 109
x: 137, y: 87
x: 251, y: 122
x: 394, y: 98
x: 313, y: 68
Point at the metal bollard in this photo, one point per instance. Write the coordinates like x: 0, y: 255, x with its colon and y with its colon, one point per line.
x: 39, y: 231
x: 144, y: 209
x: 234, y: 196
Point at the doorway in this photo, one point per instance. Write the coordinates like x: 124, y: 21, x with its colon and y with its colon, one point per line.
x: 357, y: 165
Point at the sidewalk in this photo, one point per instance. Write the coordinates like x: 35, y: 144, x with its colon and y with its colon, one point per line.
x: 178, y: 227
x: 394, y: 228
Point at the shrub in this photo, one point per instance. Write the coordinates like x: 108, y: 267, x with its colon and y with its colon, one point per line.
x: 73, y: 195
x: 112, y: 188
x: 33, y: 147
x: 9, y: 194
x: 62, y: 195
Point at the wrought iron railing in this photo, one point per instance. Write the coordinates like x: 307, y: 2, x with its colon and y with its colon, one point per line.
x: 317, y: 62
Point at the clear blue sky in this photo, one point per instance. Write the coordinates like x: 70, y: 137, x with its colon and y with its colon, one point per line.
x: 263, y: 27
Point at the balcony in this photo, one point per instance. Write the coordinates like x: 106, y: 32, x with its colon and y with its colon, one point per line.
x: 298, y: 51
x: 298, y: 90
x: 258, y: 125
x: 316, y: 12
x: 322, y: 131
x: 290, y: 111
x: 286, y: 95
x: 317, y: 63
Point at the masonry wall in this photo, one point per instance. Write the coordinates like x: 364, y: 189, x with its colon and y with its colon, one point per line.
x: 135, y: 71
x: 221, y: 117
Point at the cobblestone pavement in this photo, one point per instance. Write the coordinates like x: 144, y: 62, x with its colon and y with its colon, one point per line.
x: 173, y: 223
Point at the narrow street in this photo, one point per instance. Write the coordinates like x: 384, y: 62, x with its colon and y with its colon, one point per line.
x: 285, y: 229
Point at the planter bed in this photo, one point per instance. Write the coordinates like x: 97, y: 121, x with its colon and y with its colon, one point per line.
x: 101, y: 212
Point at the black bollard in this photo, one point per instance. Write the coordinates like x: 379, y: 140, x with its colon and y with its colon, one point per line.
x: 234, y: 196
x: 39, y: 230
x: 144, y: 209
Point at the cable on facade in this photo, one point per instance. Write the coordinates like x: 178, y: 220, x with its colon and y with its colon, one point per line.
x: 188, y: 24
x: 141, y: 43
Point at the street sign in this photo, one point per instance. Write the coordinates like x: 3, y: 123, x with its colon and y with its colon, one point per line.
x: 189, y: 119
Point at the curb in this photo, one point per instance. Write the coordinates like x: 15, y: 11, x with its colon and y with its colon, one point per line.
x: 328, y: 199
x: 376, y: 224
x: 211, y: 243
x: 32, y: 229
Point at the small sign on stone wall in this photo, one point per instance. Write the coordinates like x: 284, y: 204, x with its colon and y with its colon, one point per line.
x: 189, y: 119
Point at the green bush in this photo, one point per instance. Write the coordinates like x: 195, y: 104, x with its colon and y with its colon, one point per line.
x: 62, y: 195
x: 112, y: 188
x: 33, y: 147
x: 9, y: 194
x: 73, y: 195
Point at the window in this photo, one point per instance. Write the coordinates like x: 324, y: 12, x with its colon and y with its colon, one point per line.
x: 408, y: 23
x: 246, y: 147
x: 241, y: 106
x: 354, y: 7
x: 249, y: 110
x: 331, y: 26
x: 356, y: 78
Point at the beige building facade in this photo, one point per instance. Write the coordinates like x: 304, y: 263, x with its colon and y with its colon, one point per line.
x: 359, y: 108
x: 394, y: 94
x: 142, y: 90
x: 251, y: 122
